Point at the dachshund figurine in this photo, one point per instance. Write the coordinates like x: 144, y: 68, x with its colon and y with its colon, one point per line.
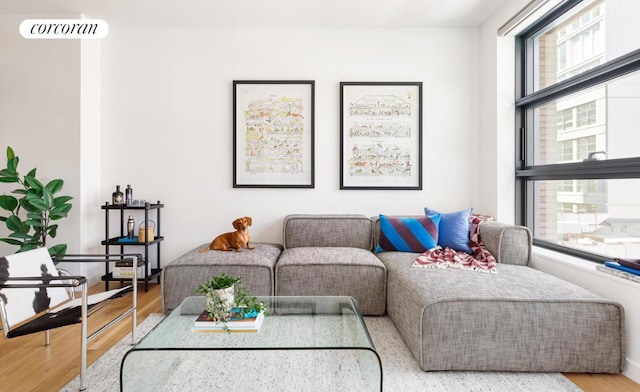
x: 234, y: 240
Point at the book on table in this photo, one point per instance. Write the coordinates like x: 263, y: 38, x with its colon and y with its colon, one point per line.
x: 248, y: 323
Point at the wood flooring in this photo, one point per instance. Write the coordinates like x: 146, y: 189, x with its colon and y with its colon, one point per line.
x: 27, y: 365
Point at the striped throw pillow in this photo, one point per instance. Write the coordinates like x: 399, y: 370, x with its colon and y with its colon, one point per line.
x: 408, y: 234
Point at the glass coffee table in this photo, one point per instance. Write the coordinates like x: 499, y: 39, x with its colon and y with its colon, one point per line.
x: 304, y: 344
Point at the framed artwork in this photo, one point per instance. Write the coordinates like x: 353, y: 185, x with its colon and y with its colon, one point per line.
x: 273, y: 134
x: 381, y: 135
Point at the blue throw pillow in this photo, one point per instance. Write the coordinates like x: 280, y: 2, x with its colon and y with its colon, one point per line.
x: 453, y: 229
x: 408, y: 234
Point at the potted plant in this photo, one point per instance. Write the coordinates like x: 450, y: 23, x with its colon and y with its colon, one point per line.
x: 32, y: 212
x: 219, y: 291
x: 224, y: 293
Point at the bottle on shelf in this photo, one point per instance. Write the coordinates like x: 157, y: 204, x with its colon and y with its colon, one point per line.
x: 131, y: 224
x: 128, y: 195
x: 117, y: 197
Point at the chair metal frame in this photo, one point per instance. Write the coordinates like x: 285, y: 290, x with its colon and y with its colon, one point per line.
x: 71, y: 283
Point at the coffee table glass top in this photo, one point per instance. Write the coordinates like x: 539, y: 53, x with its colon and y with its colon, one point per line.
x: 305, y: 343
x: 292, y: 322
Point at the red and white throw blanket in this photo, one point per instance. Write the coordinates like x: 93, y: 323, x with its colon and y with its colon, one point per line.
x: 481, y: 259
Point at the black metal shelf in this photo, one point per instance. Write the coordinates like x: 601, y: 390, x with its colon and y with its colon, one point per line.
x: 147, y: 206
x: 149, y: 271
x: 115, y: 241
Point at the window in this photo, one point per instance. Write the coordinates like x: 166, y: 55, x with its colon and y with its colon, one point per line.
x: 578, y: 164
x: 565, y: 119
x: 586, y: 114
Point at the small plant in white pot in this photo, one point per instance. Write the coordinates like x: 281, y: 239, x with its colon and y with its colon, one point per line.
x: 224, y: 293
x: 219, y: 291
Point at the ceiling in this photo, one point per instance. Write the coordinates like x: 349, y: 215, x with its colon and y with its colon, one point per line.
x: 265, y: 13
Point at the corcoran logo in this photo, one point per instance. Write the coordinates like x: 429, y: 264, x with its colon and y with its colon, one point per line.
x: 64, y: 28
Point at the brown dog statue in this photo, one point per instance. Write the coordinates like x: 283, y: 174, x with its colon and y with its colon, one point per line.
x: 234, y: 240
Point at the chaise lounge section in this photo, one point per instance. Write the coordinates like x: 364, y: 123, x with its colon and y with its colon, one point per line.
x: 518, y: 319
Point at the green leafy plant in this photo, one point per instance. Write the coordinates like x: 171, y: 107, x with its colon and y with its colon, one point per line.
x: 243, y: 300
x: 246, y: 301
x: 34, y: 209
x: 217, y: 282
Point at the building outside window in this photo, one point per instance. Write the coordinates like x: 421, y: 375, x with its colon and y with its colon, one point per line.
x: 578, y: 168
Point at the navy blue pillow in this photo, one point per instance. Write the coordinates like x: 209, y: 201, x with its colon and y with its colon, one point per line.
x: 453, y: 229
x: 408, y: 234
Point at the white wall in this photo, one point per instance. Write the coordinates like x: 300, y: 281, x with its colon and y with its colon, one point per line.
x: 497, y: 131
x: 40, y: 115
x: 167, y: 120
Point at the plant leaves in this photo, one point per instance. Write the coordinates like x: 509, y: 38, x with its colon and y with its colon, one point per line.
x: 12, y: 164
x: 35, y: 203
x: 10, y: 153
x: 24, y: 236
x: 47, y: 197
x: 16, y: 225
x: 33, y: 182
x: 28, y: 246
x: 8, y: 173
x: 11, y: 241
x: 8, y: 203
x: 57, y: 252
x: 55, y: 186
x: 39, y: 205
x: 34, y: 222
x: 60, y: 211
x: 61, y: 199
x: 24, y: 203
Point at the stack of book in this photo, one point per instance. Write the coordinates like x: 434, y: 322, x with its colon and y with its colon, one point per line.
x: 247, y: 323
x: 624, y: 268
x: 124, y: 269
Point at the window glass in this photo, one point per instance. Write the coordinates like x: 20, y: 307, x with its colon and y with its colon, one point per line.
x: 601, y: 121
x: 597, y: 216
x: 582, y: 127
x: 589, y: 35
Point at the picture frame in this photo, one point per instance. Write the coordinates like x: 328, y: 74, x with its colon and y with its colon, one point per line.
x: 273, y: 134
x: 381, y: 135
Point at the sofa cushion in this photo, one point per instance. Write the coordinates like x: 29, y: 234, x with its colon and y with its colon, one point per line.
x: 340, y: 271
x: 183, y: 275
x: 331, y: 230
x: 408, y: 234
x: 453, y: 230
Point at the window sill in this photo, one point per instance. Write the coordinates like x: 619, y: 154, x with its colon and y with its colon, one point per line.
x: 546, y: 255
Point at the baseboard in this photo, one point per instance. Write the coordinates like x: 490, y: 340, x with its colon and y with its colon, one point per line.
x: 632, y: 370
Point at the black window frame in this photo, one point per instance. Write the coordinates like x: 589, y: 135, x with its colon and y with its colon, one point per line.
x: 526, y: 173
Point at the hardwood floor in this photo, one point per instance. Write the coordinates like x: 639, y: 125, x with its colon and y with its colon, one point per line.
x: 27, y: 365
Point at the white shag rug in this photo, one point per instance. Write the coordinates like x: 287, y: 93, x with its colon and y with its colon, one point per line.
x: 400, y: 371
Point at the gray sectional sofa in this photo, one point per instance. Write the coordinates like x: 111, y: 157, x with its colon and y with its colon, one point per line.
x: 518, y: 319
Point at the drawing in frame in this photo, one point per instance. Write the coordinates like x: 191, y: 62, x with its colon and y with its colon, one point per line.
x: 381, y: 135
x: 273, y: 134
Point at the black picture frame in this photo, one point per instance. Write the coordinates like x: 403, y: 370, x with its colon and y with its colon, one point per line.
x: 381, y: 135
x: 273, y: 134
